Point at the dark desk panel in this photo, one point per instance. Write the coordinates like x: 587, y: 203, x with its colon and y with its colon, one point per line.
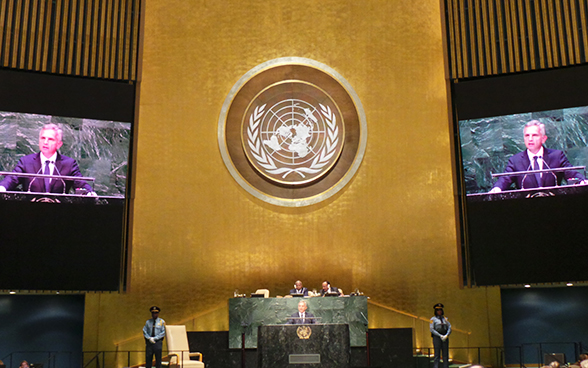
x: 280, y: 345
x: 61, y: 242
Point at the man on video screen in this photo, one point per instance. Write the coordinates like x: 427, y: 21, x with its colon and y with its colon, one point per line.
x: 48, y: 162
x: 536, y: 157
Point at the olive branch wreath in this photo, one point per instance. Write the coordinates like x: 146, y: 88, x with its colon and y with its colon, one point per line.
x: 267, y: 162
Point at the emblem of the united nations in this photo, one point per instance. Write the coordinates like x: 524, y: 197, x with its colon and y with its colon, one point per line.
x: 303, y: 332
x: 292, y: 132
x: 293, y: 140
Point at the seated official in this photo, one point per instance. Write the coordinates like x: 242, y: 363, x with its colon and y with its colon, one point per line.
x: 48, y: 162
x: 302, y: 317
x: 328, y: 289
x: 536, y: 157
x: 299, y: 289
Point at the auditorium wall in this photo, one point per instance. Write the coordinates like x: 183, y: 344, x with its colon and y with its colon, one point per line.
x: 197, y: 235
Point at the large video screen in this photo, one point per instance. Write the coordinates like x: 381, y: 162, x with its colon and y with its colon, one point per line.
x: 65, y: 153
x: 522, y: 151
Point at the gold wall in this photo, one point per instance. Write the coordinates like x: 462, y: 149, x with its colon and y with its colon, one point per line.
x: 197, y: 235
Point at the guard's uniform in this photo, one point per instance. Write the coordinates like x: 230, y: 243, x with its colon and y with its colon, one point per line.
x: 154, y: 328
x: 439, y: 327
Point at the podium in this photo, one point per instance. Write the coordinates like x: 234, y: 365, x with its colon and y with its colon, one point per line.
x: 289, y: 346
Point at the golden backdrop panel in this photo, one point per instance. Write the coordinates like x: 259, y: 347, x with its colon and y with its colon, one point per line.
x: 198, y: 236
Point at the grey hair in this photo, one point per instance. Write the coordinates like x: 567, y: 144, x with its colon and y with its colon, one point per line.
x: 536, y: 123
x: 55, y: 128
x: 304, y: 302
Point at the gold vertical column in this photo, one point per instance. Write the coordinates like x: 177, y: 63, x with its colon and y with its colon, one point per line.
x: 529, y: 20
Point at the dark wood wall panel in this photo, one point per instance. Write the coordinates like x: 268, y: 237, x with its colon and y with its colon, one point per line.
x: 91, y: 38
x: 490, y: 37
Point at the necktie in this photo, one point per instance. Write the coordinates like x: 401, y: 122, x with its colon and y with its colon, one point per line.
x: 153, y: 329
x: 47, y: 172
x: 302, y: 315
x: 536, y: 167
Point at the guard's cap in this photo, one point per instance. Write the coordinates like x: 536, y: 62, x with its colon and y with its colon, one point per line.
x: 154, y: 309
x: 438, y: 306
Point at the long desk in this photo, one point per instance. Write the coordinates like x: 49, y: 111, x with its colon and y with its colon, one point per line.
x: 529, y: 193
x: 247, y: 314
x: 61, y: 198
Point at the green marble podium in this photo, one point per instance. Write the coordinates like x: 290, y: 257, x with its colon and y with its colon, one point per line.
x: 291, y: 346
x: 247, y: 314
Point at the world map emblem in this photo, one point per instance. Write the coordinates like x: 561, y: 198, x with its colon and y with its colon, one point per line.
x: 292, y: 132
x: 293, y: 141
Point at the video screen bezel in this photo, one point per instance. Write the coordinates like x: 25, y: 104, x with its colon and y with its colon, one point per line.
x: 493, y: 250
x: 91, y: 255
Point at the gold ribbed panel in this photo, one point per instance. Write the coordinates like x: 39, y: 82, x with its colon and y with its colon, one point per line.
x: 490, y: 37
x: 92, y: 38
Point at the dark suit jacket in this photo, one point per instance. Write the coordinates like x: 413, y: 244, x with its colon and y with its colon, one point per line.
x: 304, y: 291
x: 308, y: 319
x: 333, y: 290
x: 520, y: 162
x: 32, y: 164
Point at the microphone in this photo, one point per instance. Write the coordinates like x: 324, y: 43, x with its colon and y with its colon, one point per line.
x: 62, y: 182
x: 524, y: 177
x: 31, y: 183
x: 554, y: 176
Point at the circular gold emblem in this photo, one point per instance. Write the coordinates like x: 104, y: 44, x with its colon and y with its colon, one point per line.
x: 292, y: 132
x: 304, y: 332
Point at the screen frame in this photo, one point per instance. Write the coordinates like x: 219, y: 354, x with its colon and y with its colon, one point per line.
x: 491, y: 96
x: 76, y: 97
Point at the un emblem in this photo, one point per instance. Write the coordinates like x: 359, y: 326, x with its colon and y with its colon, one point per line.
x: 304, y: 332
x: 292, y: 132
x: 293, y: 140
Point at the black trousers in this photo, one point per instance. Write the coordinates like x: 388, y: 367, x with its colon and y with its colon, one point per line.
x: 150, y: 351
x: 440, y: 346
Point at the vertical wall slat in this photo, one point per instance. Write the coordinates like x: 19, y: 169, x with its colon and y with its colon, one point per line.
x: 566, y: 29
x: 456, y: 27
x: 486, y: 31
x: 523, y: 32
x: 101, y: 38
x: 33, y: 44
x: 559, y: 28
x: 3, y: 17
x: 509, y: 36
x: 501, y: 37
x: 86, y: 37
x: 94, y: 39
x: 584, y: 26
x: 113, y: 35
x: 15, y: 37
x: 515, y: 37
x: 531, y: 44
x: 135, y: 45
x: 479, y: 43
x: 120, y: 39
x: 574, y: 31
x: 551, y: 41
x: 47, y: 36
x: 493, y: 36
x: 127, y: 39
x: 79, y: 37
x: 27, y: 47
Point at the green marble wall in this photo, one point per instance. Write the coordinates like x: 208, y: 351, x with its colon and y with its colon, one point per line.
x: 487, y: 144
x: 247, y: 314
x: 100, y: 147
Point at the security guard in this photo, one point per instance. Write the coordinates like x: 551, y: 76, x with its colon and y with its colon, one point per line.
x: 440, y: 331
x: 154, y: 332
